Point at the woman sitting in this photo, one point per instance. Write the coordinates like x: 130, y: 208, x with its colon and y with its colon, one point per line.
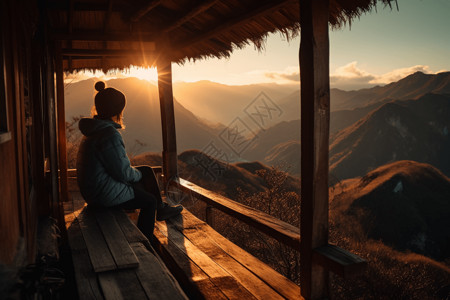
x: 105, y: 175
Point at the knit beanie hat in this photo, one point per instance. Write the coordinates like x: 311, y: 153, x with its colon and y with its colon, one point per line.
x: 109, y: 102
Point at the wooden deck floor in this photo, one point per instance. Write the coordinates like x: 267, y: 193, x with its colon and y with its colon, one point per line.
x: 204, y: 263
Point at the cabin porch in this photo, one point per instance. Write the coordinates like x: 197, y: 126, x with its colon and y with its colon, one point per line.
x: 42, y: 39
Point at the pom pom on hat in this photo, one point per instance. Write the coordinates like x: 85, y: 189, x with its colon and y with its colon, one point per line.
x: 109, y: 102
x: 100, y: 86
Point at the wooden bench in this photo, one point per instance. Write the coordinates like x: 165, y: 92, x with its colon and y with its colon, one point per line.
x: 112, y: 259
x: 209, y: 266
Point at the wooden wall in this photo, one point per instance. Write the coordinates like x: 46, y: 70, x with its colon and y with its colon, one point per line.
x: 9, y: 204
x: 24, y: 194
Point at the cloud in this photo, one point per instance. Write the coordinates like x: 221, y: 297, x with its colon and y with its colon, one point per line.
x: 347, y: 77
x: 351, y: 77
x: 289, y: 75
x: 397, y: 74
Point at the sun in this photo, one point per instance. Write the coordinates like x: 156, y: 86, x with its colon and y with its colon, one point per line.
x: 149, y: 74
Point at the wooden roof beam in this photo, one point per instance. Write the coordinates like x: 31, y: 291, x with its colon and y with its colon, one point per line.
x: 104, y: 52
x: 101, y: 36
x: 138, y: 14
x: 232, y: 22
x: 78, y: 6
x: 190, y: 15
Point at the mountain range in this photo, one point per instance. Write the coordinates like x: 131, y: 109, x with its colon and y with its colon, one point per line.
x: 405, y: 204
x: 367, y: 126
x: 142, y: 115
x: 389, y: 163
x: 400, y: 130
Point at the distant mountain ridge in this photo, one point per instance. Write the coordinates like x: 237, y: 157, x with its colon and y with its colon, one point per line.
x: 410, y: 87
x: 406, y: 204
x: 142, y: 115
x: 217, y: 175
x: 413, y: 130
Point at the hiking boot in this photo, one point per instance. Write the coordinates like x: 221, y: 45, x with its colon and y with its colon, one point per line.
x: 166, y: 211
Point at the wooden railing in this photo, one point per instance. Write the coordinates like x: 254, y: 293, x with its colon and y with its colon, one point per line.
x: 273, y: 227
x: 331, y: 257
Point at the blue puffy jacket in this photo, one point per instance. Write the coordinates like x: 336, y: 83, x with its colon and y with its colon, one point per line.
x: 103, y: 168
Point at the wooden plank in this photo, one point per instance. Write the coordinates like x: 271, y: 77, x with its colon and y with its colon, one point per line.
x: 267, y: 274
x: 170, y: 160
x: 86, y: 279
x: 106, y: 52
x: 246, y: 278
x: 194, y: 281
x: 121, y: 284
x: 315, y: 117
x: 146, y: 37
x: 232, y: 290
x: 155, y: 278
x: 109, y: 287
x: 131, y: 232
x: 279, y: 230
x: 99, y: 253
x: 339, y: 261
x: 115, y: 239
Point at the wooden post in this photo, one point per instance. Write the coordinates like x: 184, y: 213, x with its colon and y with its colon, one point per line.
x: 315, y: 117
x: 167, y: 120
x: 51, y: 130
x: 62, y: 147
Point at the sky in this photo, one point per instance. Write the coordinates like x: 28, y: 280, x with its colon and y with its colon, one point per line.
x: 380, y: 47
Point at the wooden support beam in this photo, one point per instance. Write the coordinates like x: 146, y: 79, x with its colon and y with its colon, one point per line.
x: 339, y: 261
x: 238, y: 20
x: 315, y: 121
x: 51, y: 126
x: 104, y: 52
x: 170, y: 169
x: 146, y: 37
x: 78, y: 6
x: 194, y: 11
x: 62, y: 147
x: 136, y: 16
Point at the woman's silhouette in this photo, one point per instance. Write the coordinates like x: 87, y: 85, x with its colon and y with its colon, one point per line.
x: 105, y: 175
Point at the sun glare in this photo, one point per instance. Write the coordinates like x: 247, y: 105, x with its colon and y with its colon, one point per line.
x: 149, y: 74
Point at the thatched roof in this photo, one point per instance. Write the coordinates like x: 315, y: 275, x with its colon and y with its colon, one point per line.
x: 109, y: 34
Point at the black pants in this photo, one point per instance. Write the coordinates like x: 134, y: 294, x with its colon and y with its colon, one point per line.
x: 147, y: 197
